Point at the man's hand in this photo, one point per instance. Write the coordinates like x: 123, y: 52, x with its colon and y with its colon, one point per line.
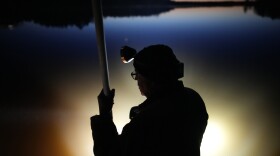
x: 106, y: 102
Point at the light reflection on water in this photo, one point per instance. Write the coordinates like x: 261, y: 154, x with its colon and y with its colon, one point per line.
x: 230, y: 59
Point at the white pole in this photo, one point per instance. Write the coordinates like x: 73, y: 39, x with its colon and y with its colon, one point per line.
x: 98, y: 20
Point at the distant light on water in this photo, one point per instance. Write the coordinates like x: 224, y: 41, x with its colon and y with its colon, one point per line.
x: 10, y: 27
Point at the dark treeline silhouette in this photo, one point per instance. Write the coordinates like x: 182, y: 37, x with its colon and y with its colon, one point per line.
x: 135, y: 2
x: 267, y: 8
x: 79, y: 13
x: 48, y: 13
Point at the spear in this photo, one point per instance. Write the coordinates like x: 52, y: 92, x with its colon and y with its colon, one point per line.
x: 100, y: 37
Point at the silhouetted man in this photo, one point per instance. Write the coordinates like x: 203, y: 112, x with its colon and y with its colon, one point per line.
x: 170, y: 122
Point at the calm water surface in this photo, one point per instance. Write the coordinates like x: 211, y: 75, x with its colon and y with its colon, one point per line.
x: 50, y: 78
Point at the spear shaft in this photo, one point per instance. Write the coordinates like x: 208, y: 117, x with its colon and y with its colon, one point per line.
x: 100, y: 37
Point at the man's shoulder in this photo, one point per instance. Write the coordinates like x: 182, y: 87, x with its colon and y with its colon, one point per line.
x: 190, y: 90
x: 191, y: 93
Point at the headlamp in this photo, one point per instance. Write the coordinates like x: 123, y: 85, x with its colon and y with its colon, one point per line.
x: 127, y: 54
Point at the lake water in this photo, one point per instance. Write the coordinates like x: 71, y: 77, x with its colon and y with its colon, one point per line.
x: 50, y: 76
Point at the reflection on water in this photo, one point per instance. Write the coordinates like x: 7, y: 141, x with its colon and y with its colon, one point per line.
x: 50, y: 77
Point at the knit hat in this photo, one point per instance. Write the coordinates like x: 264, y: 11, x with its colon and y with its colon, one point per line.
x: 159, y: 63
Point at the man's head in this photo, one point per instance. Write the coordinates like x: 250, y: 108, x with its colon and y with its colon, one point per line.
x: 156, y: 64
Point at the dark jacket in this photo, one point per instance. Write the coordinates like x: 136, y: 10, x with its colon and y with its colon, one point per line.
x: 167, y: 124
